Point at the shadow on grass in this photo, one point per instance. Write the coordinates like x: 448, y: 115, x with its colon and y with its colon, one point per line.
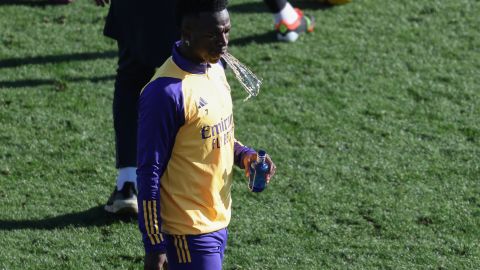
x: 16, y: 62
x: 60, y: 83
x: 32, y: 3
x: 93, y: 217
x: 265, y: 38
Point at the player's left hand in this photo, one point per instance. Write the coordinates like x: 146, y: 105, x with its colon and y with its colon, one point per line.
x: 252, y: 157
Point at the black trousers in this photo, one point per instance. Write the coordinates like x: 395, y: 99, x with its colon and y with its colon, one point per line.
x: 131, y: 77
x: 275, y: 5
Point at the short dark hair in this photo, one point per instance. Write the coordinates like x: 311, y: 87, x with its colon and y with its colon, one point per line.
x: 193, y: 7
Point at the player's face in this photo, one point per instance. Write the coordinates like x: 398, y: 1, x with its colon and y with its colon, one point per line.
x: 209, y: 37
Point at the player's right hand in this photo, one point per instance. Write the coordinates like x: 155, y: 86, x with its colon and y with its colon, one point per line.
x: 102, y: 3
x: 252, y: 157
x: 155, y: 261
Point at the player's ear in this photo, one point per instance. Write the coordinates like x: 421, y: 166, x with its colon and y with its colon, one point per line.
x: 186, y: 31
x: 187, y: 35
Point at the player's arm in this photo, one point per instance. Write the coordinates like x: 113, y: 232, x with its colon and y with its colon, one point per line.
x: 244, y: 156
x: 161, y: 114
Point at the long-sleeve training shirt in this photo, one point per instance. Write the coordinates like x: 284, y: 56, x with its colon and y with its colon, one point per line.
x: 186, y: 151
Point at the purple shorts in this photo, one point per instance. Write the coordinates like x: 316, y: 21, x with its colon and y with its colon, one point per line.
x: 196, y: 252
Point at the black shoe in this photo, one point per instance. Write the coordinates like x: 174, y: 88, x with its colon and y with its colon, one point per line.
x: 124, y: 201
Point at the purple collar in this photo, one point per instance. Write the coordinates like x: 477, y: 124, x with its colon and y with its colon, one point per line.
x: 185, y: 64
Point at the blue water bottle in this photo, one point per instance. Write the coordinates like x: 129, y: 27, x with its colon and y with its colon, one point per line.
x: 258, y: 170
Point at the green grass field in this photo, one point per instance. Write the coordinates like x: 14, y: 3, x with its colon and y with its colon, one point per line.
x: 373, y: 121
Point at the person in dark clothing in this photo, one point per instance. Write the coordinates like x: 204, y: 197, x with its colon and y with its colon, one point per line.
x: 145, y: 31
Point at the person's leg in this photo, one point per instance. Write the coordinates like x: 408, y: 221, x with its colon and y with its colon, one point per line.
x: 130, y: 79
x: 224, y: 234
x: 196, y: 252
x: 289, y: 21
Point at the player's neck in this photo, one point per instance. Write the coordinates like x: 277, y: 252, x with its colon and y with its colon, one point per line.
x: 187, y: 53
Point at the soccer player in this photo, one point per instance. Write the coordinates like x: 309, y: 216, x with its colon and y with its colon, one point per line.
x: 144, y: 40
x: 187, y: 148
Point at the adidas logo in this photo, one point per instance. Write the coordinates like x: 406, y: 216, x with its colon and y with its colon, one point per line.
x: 202, y: 103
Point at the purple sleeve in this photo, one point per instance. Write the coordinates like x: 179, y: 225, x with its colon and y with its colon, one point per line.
x: 160, y: 115
x: 239, y: 151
